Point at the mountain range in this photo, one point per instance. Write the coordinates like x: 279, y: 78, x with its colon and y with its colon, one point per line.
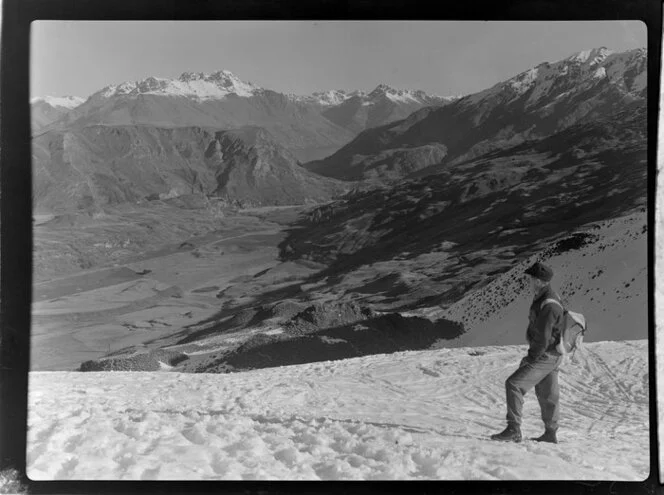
x: 156, y: 138
x: 160, y: 137
x: 426, y: 223
x: 539, y: 102
x: 308, y: 126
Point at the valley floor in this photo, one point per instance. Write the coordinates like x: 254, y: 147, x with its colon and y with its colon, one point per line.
x: 89, y: 313
x: 409, y: 415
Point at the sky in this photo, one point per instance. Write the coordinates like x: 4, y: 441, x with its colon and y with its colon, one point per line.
x: 440, y: 57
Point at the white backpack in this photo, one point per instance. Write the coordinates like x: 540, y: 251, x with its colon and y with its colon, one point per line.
x: 572, y: 330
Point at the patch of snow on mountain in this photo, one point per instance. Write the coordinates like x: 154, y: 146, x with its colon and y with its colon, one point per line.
x: 328, y: 98
x: 332, y: 97
x: 592, y: 56
x: 600, y: 73
x: 640, y: 82
x: 190, y: 84
x: 69, y: 102
x: 580, y: 71
x: 524, y: 81
x: 402, y: 97
x: 397, y: 95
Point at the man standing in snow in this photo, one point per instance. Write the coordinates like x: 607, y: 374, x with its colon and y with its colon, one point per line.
x: 539, y: 368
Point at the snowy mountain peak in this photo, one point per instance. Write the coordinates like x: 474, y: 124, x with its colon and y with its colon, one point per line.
x: 386, y: 90
x: 405, y: 95
x: 383, y: 88
x: 625, y: 71
x: 198, y: 85
x: 68, y: 102
x: 592, y: 56
x: 331, y: 97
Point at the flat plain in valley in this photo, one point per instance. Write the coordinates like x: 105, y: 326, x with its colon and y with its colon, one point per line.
x: 149, y: 271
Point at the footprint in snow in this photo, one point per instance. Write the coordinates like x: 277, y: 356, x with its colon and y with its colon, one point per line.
x: 429, y: 372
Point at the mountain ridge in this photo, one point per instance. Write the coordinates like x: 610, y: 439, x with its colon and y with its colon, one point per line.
x: 535, y: 103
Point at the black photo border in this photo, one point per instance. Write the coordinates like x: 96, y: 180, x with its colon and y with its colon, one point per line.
x: 16, y: 213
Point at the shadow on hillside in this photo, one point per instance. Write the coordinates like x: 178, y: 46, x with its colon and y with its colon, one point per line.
x: 383, y: 334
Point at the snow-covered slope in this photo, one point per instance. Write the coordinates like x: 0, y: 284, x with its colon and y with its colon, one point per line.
x: 411, y: 415
x: 573, y: 75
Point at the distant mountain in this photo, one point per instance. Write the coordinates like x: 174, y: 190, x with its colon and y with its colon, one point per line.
x: 539, y: 102
x: 256, y: 170
x: 98, y: 165
x: 358, y: 110
x: 45, y: 110
x: 309, y: 126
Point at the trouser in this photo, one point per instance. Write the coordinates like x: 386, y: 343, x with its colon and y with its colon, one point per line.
x: 543, y: 375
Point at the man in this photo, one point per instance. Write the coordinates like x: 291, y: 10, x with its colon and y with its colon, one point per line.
x: 539, y: 368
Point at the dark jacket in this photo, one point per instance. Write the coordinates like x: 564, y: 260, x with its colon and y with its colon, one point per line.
x: 544, y: 324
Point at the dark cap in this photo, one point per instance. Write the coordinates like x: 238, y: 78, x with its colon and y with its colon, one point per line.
x: 540, y: 271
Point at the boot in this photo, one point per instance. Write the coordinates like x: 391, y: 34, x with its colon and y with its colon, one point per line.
x: 510, y: 434
x: 549, y: 436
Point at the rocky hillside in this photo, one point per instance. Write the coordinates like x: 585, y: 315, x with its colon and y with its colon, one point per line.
x: 505, y: 201
x: 600, y: 271
x: 99, y: 165
x: 541, y: 101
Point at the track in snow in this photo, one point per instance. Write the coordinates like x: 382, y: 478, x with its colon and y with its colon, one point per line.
x: 410, y: 415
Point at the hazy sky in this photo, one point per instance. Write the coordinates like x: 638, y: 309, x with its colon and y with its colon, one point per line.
x: 445, y: 58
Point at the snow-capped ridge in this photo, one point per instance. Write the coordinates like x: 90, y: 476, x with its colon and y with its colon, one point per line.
x: 334, y: 97
x: 69, y: 102
x: 330, y: 97
x: 625, y: 70
x: 199, y: 85
x: 592, y: 56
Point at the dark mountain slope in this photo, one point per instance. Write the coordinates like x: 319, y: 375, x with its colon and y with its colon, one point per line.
x: 100, y: 165
x: 503, y: 203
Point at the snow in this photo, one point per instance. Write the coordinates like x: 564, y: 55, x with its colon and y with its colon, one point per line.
x: 640, y: 82
x: 401, y: 96
x: 592, y: 56
x: 524, y: 81
x: 583, y: 69
x: 69, y: 102
x: 216, y: 85
x: 600, y: 73
x: 337, y: 97
x: 409, y: 415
